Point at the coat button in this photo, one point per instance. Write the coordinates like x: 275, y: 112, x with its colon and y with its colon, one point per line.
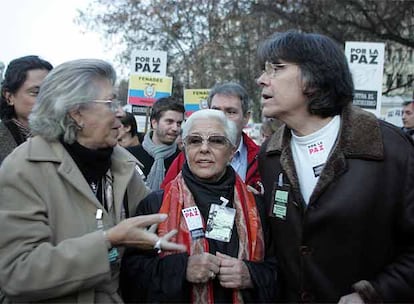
x: 305, y: 250
x: 306, y: 297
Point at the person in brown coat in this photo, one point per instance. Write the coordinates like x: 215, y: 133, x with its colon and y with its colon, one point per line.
x: 339, y: 183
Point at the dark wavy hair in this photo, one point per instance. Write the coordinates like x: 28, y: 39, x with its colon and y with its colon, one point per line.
x: 129, y: 121
x: 14, y: 78
x: 166, y: 104
x: 324, y: 68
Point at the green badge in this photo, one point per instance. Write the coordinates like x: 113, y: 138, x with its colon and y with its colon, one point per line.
x: 279, y: 205
x: 281, y: 196
x: 279, y: 211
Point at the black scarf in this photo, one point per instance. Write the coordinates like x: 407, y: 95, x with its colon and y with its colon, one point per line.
x: 92, y: 163
x: 205, y: 192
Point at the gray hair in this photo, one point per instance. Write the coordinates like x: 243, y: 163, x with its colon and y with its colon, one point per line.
x: 231, y: 89
x: 68, y: 86
x: 230, y: 128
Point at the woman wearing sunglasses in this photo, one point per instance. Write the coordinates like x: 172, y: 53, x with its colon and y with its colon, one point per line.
x: 218, y: 221
x: 65, y: 194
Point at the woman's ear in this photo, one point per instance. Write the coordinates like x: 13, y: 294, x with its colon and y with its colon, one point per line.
x: 77, y: 117
x: 9, y: 98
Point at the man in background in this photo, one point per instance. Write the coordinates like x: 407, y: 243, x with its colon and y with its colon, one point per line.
x: 159, y: 148
x: 408, y: 118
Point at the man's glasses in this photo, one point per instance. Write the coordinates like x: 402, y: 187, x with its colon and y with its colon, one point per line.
x: 214, y: 141
x: 113, y: 105
x: 271, y: 69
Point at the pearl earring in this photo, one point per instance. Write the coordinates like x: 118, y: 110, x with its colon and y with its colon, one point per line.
x: 80, y: 126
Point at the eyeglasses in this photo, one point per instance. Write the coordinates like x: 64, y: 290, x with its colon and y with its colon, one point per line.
x: 214, y: 141
x: 113, y: 105
x: 271, y: 69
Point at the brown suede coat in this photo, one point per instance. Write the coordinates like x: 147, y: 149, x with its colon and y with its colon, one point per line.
x: 357, y: 232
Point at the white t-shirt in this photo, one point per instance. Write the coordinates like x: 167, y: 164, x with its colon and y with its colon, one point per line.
x: 310, y: 153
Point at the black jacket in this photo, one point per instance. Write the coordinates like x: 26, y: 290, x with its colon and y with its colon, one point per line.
x: 10, y: 138
x: 357, y: 232
x: 145, y: 278
x: 147, y: 160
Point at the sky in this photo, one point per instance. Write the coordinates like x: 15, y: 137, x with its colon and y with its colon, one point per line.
x: 46, y: 28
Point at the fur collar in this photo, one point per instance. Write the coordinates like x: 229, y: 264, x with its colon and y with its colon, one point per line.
x: 359, y: 137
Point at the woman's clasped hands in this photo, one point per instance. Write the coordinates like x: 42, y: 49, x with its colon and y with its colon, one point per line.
x: 231, y: 272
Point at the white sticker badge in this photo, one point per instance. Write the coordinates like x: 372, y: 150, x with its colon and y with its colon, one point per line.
x: 194, y: 222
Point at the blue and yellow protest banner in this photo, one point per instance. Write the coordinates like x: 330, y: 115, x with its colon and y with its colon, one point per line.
x: 195, y: 100
x: 145, y: 89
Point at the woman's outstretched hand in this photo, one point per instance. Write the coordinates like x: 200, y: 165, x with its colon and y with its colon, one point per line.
x: 132, y: 232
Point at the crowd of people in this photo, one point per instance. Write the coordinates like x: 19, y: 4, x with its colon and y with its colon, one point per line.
x: 194, y: 211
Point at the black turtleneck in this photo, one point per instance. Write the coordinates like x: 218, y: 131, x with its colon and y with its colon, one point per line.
x: 92, y: 163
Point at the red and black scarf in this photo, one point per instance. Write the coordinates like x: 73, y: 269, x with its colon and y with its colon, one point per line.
x: 247, y: 221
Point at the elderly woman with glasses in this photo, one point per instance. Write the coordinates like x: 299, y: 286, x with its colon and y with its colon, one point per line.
x: 65, y: 195
x: 216, y: 218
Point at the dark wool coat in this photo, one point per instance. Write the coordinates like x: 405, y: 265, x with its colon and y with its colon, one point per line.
x: 146, y: 278
x: 357, y: 233
x: 7, y: 142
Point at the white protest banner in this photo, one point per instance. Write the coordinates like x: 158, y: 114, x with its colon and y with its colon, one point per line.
x: 141, y: 114
x: 149, y: 62
x: 366, y: 62
x: 150, y: 66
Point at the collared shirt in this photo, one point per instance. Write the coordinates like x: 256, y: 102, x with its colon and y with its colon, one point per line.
x: 410, y: 131
x: 239, y: 161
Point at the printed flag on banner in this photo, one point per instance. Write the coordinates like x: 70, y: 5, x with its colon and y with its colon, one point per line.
x: 195, y: 100
x: 144, y: 89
